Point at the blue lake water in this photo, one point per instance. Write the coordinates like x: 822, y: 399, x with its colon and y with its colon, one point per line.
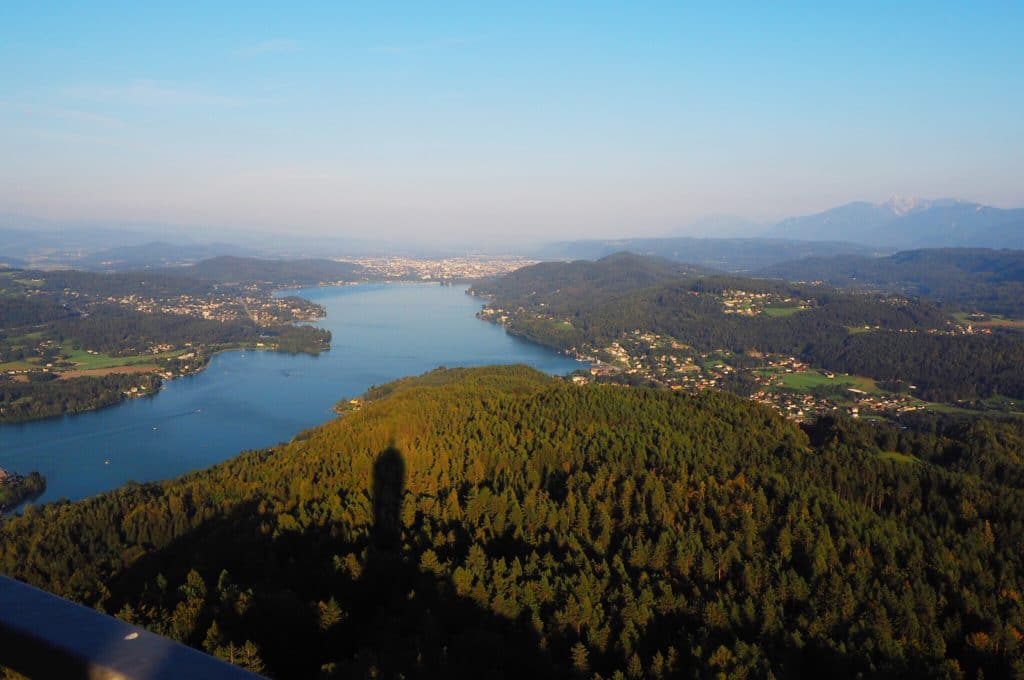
x: 252, y: 399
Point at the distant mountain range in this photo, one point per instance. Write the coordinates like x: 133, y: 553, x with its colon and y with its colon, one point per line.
x: 859, y: 228
x: 910, y: 223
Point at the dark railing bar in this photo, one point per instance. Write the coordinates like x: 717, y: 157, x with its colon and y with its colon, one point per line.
x: 45, y: 636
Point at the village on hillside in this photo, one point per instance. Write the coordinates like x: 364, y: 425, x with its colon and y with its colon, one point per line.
x: 795, y: 389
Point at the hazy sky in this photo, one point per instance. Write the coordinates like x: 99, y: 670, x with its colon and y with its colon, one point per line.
x: 595, y: 119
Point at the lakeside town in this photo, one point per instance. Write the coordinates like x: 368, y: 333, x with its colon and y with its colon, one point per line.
x: 450, y: 269
x: 92, y: 340
x: 263, y: 310
x: 792, y: 387
x: 23, y: 354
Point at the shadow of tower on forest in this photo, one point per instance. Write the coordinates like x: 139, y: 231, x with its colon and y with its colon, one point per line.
x: 399, y: 620
x: 388, y: 489
x: 412, y: 623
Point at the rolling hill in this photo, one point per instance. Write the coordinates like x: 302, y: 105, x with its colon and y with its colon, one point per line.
x: 500, y: 523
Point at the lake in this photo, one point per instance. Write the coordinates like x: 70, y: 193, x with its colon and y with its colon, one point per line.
x: 253, y: 399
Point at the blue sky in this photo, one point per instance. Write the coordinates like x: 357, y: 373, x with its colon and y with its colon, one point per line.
x: 531, y: 120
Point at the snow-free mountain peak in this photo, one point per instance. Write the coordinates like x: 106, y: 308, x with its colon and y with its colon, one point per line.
x: 903, y: 222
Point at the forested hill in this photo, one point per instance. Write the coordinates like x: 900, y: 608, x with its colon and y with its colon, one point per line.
x: 976, y: 278
x: 588, y: 306
x: 147, y: 283
x: 500, y: 523
x: 551, y: 282
x: 309, y: 272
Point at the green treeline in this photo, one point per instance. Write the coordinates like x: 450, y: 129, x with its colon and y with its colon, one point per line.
x: 116, y: 330
x: 944, y: 368
x: 20, y: 311
x: 974, y: 278
x: 47, y: 398
x: 497, y: 522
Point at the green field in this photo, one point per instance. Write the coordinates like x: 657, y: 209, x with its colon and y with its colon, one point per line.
x: 17, y: 366
x: 555, y: 326
x: 897, y: 457
x: 781, y: 311
x: 939, y: 407
x: 811, y: 379
x: 994, y: 321
x: 992, y: 404
x: 23, y: 339
x: 84, y: 361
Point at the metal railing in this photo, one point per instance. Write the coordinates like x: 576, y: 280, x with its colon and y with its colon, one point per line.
x: 45, y: 636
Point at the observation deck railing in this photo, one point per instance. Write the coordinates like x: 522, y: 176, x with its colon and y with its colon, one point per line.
x: 45, y: 636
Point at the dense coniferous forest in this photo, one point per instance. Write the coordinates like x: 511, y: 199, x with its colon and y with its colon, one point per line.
x: 497, y: 522
x: 910, y: 342
x: 973, y: 278
x: 19, y: 311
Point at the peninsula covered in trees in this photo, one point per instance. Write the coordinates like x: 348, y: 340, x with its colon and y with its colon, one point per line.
x: 72, y: 341
x: 498, y: 522
x: 16, y: 489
